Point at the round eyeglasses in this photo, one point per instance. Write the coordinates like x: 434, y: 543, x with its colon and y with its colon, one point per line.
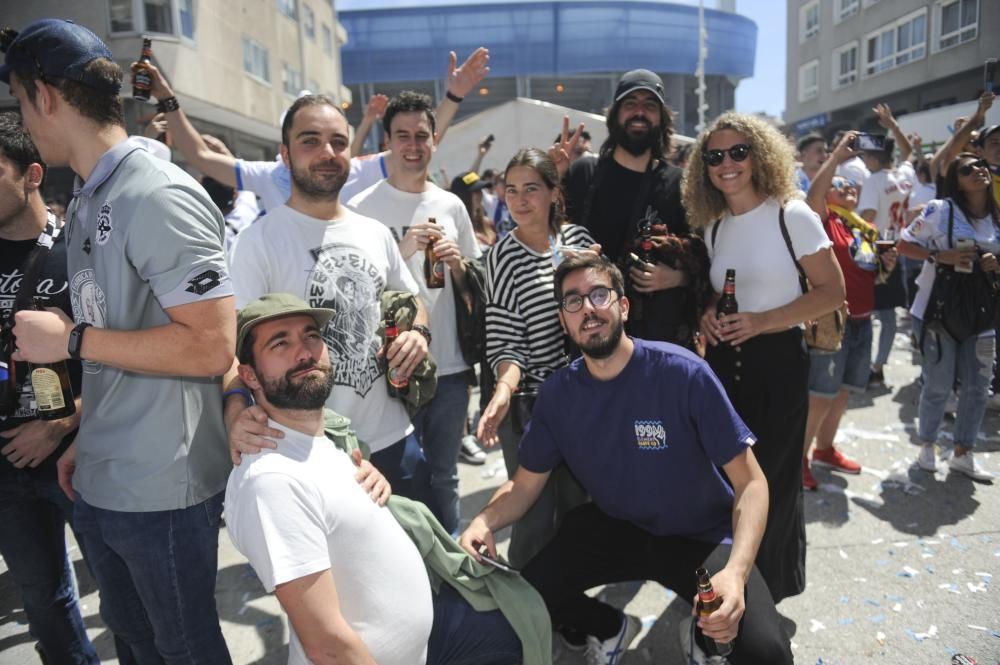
x: 737, y: 153
x: 600, y: 297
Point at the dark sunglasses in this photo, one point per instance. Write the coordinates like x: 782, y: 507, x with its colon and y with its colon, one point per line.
x: 737, y: 153
x: 967, y: 169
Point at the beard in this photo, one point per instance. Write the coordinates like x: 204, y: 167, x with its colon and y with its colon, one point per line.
x: 319, y: 186
x: 639, y: 142
x: 598, y: 347
x: 309, y: 394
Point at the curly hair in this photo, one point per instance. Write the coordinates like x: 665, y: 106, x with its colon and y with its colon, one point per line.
x: 773, y: 173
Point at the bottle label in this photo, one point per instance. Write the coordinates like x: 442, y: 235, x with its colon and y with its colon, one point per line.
x: 395, y: 380
x: 439, y: 270
x: 142, y: 80
x: 48, y: 391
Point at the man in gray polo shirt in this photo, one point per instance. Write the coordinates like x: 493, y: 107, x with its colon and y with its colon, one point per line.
x: 154, y: 321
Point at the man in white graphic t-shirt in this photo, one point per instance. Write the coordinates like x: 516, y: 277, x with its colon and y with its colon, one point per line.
x: 417, y: 211
x: 318, y: 250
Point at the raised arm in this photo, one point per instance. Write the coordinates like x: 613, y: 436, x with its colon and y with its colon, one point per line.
x: 374, y: 110
x: 887, y: 121
x: 481, y: 150
x: 188, y: 140
x: 461, y: 81
x: 949, y: 151
x: 820, y: 185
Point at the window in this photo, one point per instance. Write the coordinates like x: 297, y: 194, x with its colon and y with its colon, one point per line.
x: 165, y: 17
x: 289, y: 8
x: 292, y: 79
x: 121, y: 16
x: 327, y: 40
x: 957, y: 22
x: 185, y: 8
x: 845, y: 65
x: 309, y: 22
x: 809, y: 81
x: 845, y: 9
x: 255, y: 60
x: 896, y: 44
x: 808, y: 21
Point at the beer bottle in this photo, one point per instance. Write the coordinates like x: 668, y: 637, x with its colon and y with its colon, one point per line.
x: 397, y: 387
x: 142, y: 80
x: 727, y: 303
x: 646, y: 242
x: 50, y: 383
x: 708, y: 602
x: 433, y: 266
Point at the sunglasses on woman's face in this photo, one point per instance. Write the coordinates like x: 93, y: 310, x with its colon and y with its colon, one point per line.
x: 967, y: 169
x: 737, y: 153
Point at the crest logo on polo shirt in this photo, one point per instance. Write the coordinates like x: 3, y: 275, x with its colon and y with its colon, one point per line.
x: 89, y: 305
x: 103, y: 225
x: 650, y: 435
x: 347, y: 281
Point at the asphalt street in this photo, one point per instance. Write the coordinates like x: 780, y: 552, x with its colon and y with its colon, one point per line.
x: 901, y: 562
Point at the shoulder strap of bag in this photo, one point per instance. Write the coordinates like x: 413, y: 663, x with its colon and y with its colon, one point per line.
x: 803, y: 283
x: 715, y: 232
x: 31, y: 269
x: 951, y: 224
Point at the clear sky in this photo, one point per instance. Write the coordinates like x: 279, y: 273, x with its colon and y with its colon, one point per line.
x: 766, y: 90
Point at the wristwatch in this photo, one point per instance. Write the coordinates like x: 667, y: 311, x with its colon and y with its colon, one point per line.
x: 423, y: 330
x: 76, y: 340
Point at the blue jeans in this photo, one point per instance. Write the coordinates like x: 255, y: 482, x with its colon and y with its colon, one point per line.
x: 404, y: 466
x: 156, y: 574
x: 944, y: 358
x: 33, y: 516
x: 886, y: 335
x: 439, y: 425
x: 847, y: 368
x: 462, y: 636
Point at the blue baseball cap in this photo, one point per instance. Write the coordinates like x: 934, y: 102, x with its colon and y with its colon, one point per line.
x: 56, y: 48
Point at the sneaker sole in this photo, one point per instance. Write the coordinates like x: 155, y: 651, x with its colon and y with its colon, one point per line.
x: 971, y: 476
x: 471, y: 460
x: 827, y: 465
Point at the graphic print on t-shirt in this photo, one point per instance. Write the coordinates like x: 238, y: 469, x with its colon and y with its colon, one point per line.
x: 89, y: 305
x: 347, y: 281
x: 650, y: 435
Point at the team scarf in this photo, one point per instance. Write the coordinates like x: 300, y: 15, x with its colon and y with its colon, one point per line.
x: 863, y: 251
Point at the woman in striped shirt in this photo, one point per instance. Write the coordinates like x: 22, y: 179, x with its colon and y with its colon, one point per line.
x: 524, y: 339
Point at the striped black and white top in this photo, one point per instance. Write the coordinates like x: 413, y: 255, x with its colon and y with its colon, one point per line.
x: 522, y: 315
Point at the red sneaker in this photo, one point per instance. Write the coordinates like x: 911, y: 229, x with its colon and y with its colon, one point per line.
x: 808, y: 482
x: 833, y: 459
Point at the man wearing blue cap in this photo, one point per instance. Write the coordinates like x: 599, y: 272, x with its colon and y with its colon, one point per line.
x: 154, y: 326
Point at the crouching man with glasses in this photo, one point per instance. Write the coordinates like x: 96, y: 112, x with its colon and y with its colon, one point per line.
x: 648, y: 430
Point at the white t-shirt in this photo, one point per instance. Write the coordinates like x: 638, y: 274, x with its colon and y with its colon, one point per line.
x: 752, y: 244
x: 930, y: 230
x: 854, y: 169
x: 398, y: 210
x: 297, y: 510
x: 886, y: 192
x: 272, y: 182
x: 921, y: 194
x: 344, y: 265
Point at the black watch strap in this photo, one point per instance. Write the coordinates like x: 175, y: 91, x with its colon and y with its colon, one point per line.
x: 423, y: 330
x: 76, y: 340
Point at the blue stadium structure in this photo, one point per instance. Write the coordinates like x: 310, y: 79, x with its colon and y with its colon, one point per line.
x: 569, y: 52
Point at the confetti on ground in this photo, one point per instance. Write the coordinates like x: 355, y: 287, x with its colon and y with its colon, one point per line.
x: 907, y: 572
x: 880, y: 636
x: 898, y: 607
x: 873, y: 603
x: 982, y: 628
x: 843, y: 554
x: 816, y: 626
x: 877, y: 619
x: 976, y: 588
x: 649, y: 620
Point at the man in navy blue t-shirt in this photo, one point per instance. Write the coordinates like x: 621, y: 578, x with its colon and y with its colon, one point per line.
x: 647, y: 429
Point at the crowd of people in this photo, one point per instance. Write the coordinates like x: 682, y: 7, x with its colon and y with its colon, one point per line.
x: 290, y: 345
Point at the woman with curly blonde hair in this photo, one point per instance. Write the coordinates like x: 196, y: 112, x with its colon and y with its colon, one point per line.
x: 739, y: 186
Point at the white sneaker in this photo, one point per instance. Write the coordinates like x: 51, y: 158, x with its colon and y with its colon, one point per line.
x: 612, y: 650
x: 967, y: 464
x: 692, y: 652
x: 470, y: 452
x: 927, y: 460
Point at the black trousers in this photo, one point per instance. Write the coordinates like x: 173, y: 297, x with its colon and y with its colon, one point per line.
x: 767, y: 380
x: 592, y: 548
